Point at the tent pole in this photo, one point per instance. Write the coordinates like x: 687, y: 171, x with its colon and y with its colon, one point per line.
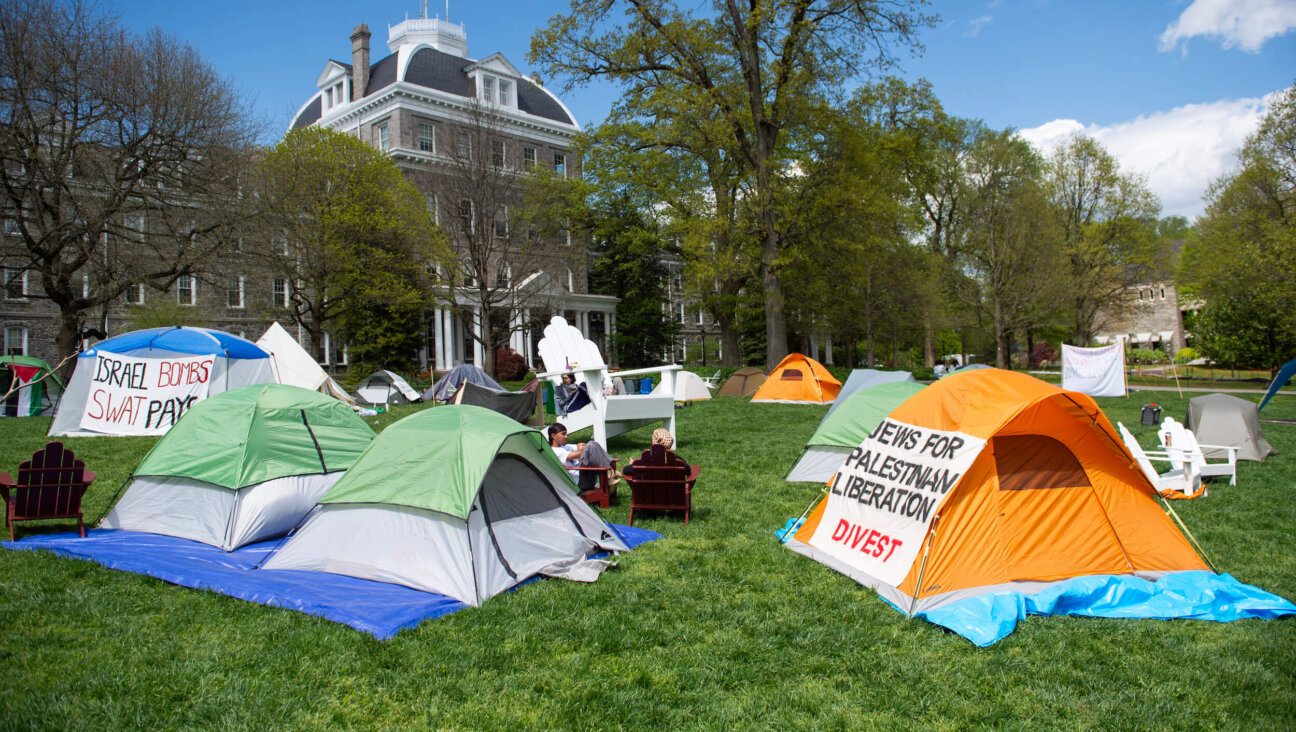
x: 1201, y: 552
x: 788, y: 534
x: 1174, y: 369
x: 931, y: 539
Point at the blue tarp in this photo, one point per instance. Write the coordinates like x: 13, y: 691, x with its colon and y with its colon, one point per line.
x: 1285, y: 374
x: 377, y: 608
x: 1199, y: 595
x: 197, y: 341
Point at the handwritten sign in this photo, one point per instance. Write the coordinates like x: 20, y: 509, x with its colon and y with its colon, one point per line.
x: 1094, y: 371
x: 886, y: 494
x: 143, y: 396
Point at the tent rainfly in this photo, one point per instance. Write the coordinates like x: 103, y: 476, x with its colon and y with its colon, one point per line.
x: 458, y: 501
x: 294, y: 366
x: 863, y: 379
x: 1223, y: 419
x: 35, y: 387
x: 744, y: 382
x: 445, y: 387
x: 843, y: 430
x: 386, y: 387
x: 798, y: 379
x: 243, y: 466
x: 993, y: 494
x: 516, y: 405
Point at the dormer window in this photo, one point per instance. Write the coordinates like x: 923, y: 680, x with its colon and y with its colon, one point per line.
x: 495, y: 90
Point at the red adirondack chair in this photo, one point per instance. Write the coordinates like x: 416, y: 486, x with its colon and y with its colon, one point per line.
x: 49, y: 486
x: 606, y: 489
x: 661, y: 481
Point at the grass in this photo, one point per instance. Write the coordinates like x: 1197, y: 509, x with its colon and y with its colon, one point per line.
x: 715, y: 626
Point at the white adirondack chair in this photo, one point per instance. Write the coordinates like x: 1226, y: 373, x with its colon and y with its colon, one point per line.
x: 1182, y: 476
x: 1175, y: 436
x: 565, y: 350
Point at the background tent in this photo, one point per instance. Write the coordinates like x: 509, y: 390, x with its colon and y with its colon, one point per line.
x: 386, y: 387
x: 863, y: 379
x: 744, y: 382
x: 798, y: 379
x: 445, y: 387
x: 988, y: 494
x: 1223, y: 419
x: 843, y: 430
x: 243, y: 466
x: 1285, y: 375
x: 294, y: 366
x: 516, y: 405
x: 38, y: 387
x: 237, y: 362
x: 689, y: 387
x: 459, y: 501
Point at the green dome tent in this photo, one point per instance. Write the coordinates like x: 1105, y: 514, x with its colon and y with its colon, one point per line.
x: 242, y: 466
x: 846, y: 426
x: 457, y: 500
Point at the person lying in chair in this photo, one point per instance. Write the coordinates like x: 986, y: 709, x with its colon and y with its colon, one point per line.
x: 570, y: 396
x: 661, y: 437
x: 582, y: 454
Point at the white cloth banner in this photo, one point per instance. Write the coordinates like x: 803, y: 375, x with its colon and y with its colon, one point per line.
x: 1094, y: 371
x: 887, y: 493
x: 143, y: 396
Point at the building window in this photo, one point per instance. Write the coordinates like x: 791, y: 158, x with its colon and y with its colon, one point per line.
x: 699, y: 317
x: 505, y: 93
x: 15, y: 283
x: 560, y: 164
x: 135, y: 227
x: 466, y: 215
x: 234, y: 293
x: 501, y: 223
x: 564, y: 237
x: 85, y: 285
x: 488, y: 88
x: 135, y: 294
x: 432, y: 206
x: 186, y: 290
x: 463, y: 145
x: 529, y: 157
x: 497, y: 153
x: 382, y: 137
x: 427, y: 137
x: 10, y: 225
x: 279, y: 293
x: 681, y: 313
x: 15, y: 337
x: 570, y: 283
x: 504, y: 277
x: 1162, y: 293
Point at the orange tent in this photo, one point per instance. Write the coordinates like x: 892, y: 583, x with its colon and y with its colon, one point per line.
x: 990, y: 481
x: 798, y: 380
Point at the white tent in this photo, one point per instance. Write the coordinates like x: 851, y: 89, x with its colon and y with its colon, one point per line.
x: 385, y: 387
x: 459, y: 501
x: 689, y: 387
x: 294, y: 366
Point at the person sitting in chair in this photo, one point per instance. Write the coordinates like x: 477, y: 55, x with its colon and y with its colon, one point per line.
x: 661, y: 437
x: 570, y: 396
x: 581, y: 455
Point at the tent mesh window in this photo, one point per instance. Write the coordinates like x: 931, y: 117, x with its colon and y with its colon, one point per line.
x: 791, y: 375
x: 1035, y: 462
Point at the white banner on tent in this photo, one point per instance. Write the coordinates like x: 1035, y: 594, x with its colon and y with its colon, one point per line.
x: 143, y: 396
x: 887, y: 493
x: 1094, y: 371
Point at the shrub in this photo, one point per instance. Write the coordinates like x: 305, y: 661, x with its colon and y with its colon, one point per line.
x: 509, y: 365
x: 1186, y: 355
x: 1042, y: 355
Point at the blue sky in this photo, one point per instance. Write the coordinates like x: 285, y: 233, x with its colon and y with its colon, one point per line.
x: 1171, y: 87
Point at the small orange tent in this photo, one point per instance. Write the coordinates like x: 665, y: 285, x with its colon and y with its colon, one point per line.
x: 798, y: 379
x: 987, y: 482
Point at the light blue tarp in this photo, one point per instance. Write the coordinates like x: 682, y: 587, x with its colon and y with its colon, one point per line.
x: 377, y: 608
x: 197, y: 341
x: 1199, y: 595
x: 1284, y: 375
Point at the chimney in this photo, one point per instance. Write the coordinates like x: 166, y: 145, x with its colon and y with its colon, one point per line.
x: 359, y: 61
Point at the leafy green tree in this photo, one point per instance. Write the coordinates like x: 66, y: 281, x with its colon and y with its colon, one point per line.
x: 352, y: 238
x: 756, y: 65
x: 1107, y: 221
x: 1242, y: 258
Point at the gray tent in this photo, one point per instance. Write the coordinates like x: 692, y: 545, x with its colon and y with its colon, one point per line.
x: 863, y: 379
x: 445, y: 388
x: 1221, y: 419
x: 517, y: 405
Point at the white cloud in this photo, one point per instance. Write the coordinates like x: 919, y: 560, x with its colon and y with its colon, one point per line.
x: 976, y: 24
x: 1244, y: 24
x: 1179, y: 152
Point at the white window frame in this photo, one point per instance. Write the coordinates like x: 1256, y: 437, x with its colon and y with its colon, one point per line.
x: 471, y: 214
x: 699, y: 317
x: 434, y: 208
x: 10, y: 274
x: 501, y: 220
x: 9, y: 347
x: 529, y: 158
x: 560, y: 164
x: 279, y: 294
x: 463, y: 144
x: 571, y: 281
x: 237, y: 281
x: 429, y: 138
x: 135, y: 294
x: 499, y: 154
x: 488, y: 88
x: 384, y: 137
x: 193, y: 290
x: 505, y: 93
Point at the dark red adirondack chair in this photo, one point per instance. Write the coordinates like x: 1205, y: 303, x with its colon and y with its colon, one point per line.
x: 49, y: 486
x: 661, y: 481
x: 605, y: 491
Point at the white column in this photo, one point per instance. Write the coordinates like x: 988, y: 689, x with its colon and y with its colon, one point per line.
x: 448, y: 330
x: 438, y: 339
x: 478, y: 352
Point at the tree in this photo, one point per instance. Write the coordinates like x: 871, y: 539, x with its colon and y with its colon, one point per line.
x: 1242, y: 257
x: 352, y: 241
x: 120, y: 157
x: 755, y: 64
x: 1108, y: 223
x: 510, y: 231
x: 1009, y: 248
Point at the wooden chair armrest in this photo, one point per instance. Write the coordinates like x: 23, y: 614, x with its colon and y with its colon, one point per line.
x: 1231, y: 448
x: 6, y: 480
x: 88, y: 476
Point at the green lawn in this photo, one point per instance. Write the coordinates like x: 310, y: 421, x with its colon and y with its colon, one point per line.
x: 714, y: 626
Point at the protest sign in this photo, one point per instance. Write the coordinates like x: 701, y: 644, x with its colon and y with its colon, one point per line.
x: 143, y: 396
x: 1094, y: 371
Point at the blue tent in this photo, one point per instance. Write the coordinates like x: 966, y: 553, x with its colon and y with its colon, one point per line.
x: 1285, y: 375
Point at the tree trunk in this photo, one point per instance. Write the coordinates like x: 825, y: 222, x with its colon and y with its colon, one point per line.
x: 929, y: 337
x: 775, y: 322
x: 69, y: 341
